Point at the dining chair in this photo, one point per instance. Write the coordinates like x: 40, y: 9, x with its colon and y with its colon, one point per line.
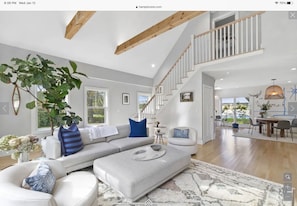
x: 252, y: 125
x: 293, y: 125
x: 285, y: 125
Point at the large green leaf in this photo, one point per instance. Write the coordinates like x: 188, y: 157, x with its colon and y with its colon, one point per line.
x: 56, y: 83
x: 73, y: 65
x: 30, y: 105
x: 3, y: 67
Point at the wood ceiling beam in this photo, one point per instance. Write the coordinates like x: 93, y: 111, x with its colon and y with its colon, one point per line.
x: 159, y: 28
x: 77, y: 22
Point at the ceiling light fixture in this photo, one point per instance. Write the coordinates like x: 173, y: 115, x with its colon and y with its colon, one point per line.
x: 274, y: 91
x: 153, y: 65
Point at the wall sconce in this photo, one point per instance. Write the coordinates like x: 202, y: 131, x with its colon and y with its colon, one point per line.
x: 274, y: 91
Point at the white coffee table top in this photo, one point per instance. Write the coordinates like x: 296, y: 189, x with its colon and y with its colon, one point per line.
x: 147, y: 153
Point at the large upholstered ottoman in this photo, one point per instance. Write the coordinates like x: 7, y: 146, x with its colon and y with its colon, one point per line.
x: 135, y: 178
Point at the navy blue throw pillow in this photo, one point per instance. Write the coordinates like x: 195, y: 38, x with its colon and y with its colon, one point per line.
x: 137, y: 129
x: 70, y: 140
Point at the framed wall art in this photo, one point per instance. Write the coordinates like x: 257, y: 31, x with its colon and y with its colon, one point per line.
x: 125, y: 98
x: 186, y: 96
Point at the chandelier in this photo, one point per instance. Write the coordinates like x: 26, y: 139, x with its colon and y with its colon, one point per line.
x: 274, y: 91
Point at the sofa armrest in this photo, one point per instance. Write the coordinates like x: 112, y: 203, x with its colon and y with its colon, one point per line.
x: 53, y: 147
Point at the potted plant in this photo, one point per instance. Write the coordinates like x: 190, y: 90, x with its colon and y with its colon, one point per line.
x: 55, y: 83
x: 264, y: 108
x: 21, y: 146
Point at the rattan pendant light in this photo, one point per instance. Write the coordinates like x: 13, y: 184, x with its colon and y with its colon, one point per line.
x: 274, y: 91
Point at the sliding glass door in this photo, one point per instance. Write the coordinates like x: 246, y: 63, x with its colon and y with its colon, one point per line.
x: 235, y: 109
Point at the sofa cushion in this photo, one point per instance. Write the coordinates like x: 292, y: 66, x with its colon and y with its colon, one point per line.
x: 85, y: 137
x: 129, y: 143
x: 70, y: 140
x: 124, y: 131
x: 137, y: 129
x: 42, y: 179
x: 90, y: 152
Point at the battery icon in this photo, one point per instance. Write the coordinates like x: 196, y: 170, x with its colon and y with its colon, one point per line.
x: 289, y: 2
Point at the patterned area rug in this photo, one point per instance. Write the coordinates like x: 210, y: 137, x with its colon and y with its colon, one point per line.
x: 257, y: 135
x: 205, y: 184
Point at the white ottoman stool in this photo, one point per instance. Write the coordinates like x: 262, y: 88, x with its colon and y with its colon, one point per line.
x: 135, y: 178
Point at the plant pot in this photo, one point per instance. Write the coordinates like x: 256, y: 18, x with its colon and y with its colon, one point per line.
x: 24, y: 157
x: 235, y: 125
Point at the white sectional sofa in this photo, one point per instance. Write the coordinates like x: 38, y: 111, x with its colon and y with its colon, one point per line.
x: 94, y: 149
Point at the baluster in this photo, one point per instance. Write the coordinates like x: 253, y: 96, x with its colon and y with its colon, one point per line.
x: 237, y: 34
x: 242, y: 37
x: 257, y: 31
x: 233, y: 39
x: 212, y: 43
x: 217, y: 43
x: 209, y: 46
x: 186, y: 62
x: 201, y: 49
x: 180, y: 68
x: 252, y: 34
x: 220, y: 46
x: 192, y: 50
x: 224, y: 41
x: 228, y: 40
x: 247, y: 35
x: 174, y: 75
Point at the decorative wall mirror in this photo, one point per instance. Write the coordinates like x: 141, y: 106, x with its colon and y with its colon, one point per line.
x: 16, y: 99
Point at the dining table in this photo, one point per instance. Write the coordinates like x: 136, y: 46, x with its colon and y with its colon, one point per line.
x: 269, y: 122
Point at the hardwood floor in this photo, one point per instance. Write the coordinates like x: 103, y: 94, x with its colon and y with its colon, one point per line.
x: 265, y: 159
x: 6, y: 161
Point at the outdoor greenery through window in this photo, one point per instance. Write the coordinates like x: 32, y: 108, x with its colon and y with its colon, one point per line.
x: 143, y: 99
x: 96, y: 105
x: 43, y: 120
x: 236, y: 110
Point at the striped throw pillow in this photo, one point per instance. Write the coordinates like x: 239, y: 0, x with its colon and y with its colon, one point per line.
x: 70, y: 140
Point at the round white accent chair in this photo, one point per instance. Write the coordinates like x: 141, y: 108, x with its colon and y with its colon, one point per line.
x: 78, y: 188
x: 188, y: 145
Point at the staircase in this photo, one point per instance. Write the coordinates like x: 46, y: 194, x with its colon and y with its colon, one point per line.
x: 236, y: 38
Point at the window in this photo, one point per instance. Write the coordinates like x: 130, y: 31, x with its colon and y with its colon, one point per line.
x: 96, y: 106
x: 235, y: 109
x: 142, y: 100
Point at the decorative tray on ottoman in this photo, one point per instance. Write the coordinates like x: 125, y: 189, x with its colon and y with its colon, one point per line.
x: 153, y: 151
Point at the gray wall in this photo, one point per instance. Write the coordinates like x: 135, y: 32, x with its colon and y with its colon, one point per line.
x: 116, y: 83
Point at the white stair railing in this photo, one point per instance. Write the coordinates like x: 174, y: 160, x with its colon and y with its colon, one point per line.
x: 238, y: 37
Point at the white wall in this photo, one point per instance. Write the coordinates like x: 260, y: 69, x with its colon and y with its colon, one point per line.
x: 116, y: 82
x: 187, y: 114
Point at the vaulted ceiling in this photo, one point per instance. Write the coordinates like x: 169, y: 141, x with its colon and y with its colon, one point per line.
x: 96, y: 41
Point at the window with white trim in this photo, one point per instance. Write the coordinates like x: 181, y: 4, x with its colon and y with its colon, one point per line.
x: 142, y: 99
x: 96, y: 106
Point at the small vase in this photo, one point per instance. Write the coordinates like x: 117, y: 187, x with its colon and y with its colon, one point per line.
x: 24, y: 157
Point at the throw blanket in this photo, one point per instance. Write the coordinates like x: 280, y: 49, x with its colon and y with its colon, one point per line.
x: 102, y: 131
